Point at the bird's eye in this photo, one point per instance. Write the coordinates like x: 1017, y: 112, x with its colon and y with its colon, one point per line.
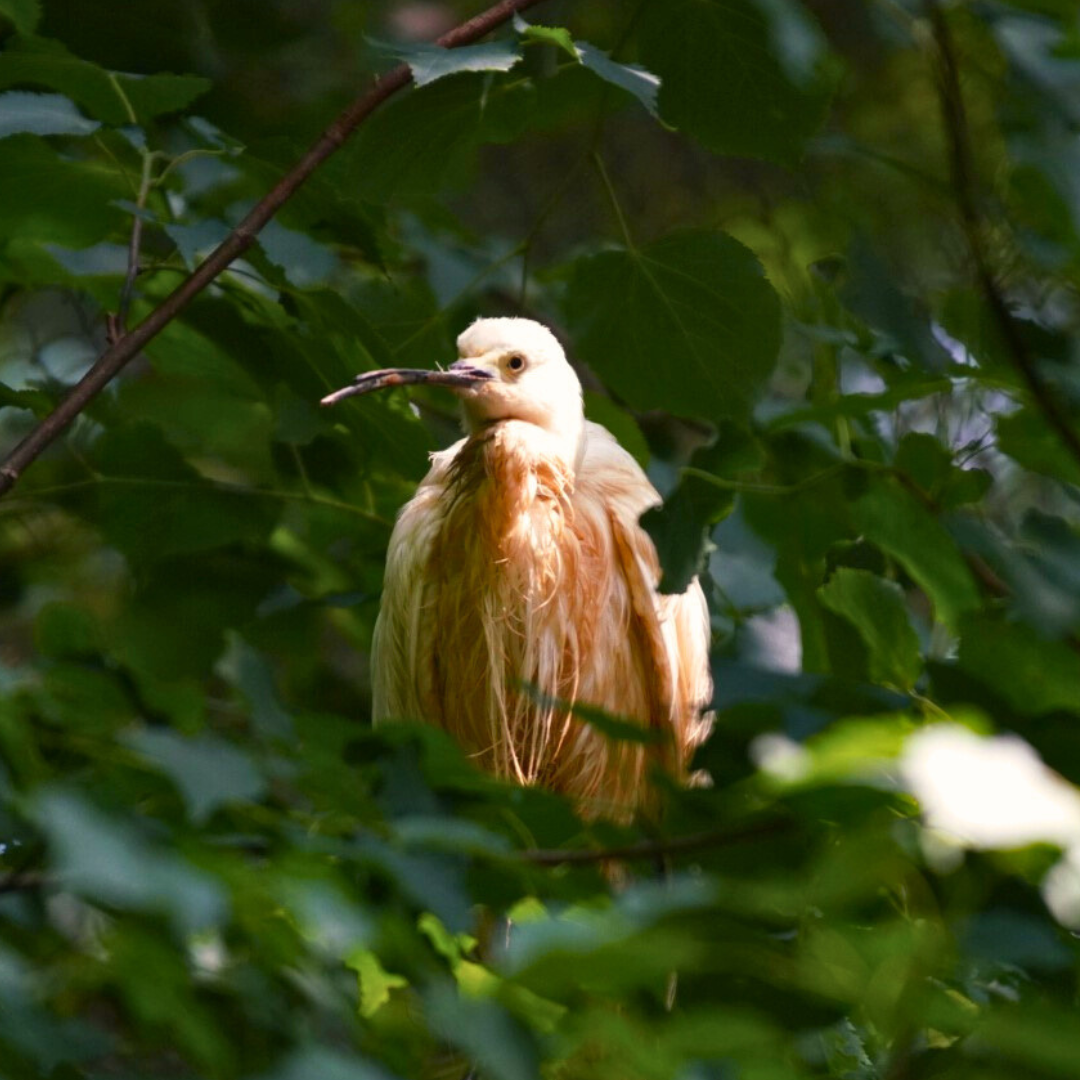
x: 516, y: 363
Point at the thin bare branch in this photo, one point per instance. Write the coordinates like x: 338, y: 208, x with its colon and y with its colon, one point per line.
x: 116, y: 325
x: 114, y: 359
x: 652, y: 849
x: 22, y: 881
x: 965, y: 191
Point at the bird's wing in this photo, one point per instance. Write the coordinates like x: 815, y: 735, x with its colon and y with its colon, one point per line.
x: 673, y: 629
x: 400, y: 635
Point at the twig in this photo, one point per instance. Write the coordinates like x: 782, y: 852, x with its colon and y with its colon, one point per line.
x: 22, y: 881
x: 964, y: 189
x: 113, y: 360
x: 651, y: 849
x: 116, y: 325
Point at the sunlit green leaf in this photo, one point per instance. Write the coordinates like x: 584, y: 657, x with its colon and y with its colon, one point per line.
x: 893, y: 519
x: 876, y: 609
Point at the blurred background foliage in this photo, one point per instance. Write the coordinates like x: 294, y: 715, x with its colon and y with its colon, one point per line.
x: 822, y: 279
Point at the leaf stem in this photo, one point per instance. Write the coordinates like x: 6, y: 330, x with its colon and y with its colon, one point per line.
x: 116, y: 326
x: 212, y: 485
x: 602, y: 172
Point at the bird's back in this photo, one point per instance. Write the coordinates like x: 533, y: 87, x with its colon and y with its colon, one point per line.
x: 517, y: 585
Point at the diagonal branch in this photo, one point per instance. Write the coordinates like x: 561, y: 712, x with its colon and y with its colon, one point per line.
x: 967, y: 203
x: 113, y: 360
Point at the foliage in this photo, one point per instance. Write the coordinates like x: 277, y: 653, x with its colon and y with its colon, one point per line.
x: 835, y: 310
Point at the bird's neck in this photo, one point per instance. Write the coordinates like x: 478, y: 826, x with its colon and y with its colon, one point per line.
x: 510, y: 466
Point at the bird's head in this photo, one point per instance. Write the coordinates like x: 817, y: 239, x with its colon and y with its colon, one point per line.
x: 524, y: 375
x: 507, y: 369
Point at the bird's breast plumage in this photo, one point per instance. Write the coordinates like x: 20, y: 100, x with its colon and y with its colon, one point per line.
x: 518, y: 585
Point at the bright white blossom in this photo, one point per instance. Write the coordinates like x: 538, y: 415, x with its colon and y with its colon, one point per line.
x: 995, y: 793
x: 989, y: 792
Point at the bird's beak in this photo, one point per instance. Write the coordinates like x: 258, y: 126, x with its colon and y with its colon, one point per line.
x: 461, y: 375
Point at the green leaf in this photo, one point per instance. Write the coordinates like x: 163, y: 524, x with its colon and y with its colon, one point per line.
x: 375, y: 981
x: 688, y: 324
x: 37, y: 401
x: 41, y: 114
x: 930, y: 465
x: 600, y: 409
x: 316, y: 1061
x: 32, y: 61
x: 174, y: 625
x: 1029, y: 440
x: 428, y: 137
x: 151, y: 503
x: 66, y: 632
x: 876, y: 609
x: 431, y: 62
x: 23, y: 14
x: 80, y: 698
x: 209, y: 771
x: 722, y: 82
x: 632, y: 78
x: 680, y: 528
x: 484, y: 1031
x: 107, y: 859
x: 546, y: 35
x: 892, y: 518
x: 46, y: 197
x: 1034, y: 675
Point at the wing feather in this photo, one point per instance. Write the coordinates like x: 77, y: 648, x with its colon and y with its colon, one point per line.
x: 673, y: 629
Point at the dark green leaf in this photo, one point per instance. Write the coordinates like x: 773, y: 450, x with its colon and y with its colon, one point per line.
x: 151, y: 503
x: 722, y: 82
x: 23, y: 14
x: 632, y: 78
x: 705, y: 496
x: 1026, y: 437
x: 30, y: 61
x: 1033, y: 675
x: 317, y: 1061
x: 485, y: 1032
x: 688, y: 324
x: 106, y: 860
x: 208, y: 771
x: 46, y: 197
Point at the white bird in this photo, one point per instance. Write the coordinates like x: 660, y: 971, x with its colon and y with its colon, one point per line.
x: 520, y: 586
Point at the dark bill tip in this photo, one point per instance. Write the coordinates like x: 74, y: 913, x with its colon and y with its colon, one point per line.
x: 370, y: 381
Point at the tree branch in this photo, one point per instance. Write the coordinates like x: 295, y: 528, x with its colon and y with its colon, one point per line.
x: 651, y: 849
x: 113, y: 360
x: 965, y: 190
